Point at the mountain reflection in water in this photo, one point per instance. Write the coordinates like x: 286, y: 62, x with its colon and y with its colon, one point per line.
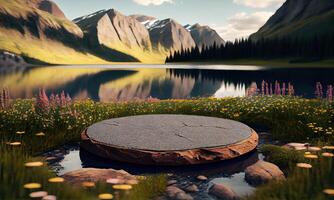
x: 109, y: 84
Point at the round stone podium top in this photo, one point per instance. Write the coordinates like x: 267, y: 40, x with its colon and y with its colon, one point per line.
x: 168, y: 132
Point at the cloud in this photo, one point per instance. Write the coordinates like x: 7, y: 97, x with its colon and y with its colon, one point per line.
x: 152, y: 2
x: 259, y: 3
x: 243, y: 24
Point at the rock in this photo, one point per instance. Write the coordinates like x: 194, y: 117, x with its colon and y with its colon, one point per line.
x: 156, y: 143
x: 223, y: 192
x: 262, y: 172
x: 95, y: 175
x: 202, y: 178
x: 192, y: 188
x: 171, y: 182
x: 183, y: 196
x: 296, y: 146
x: 176, y: 193
x: 314, y: 149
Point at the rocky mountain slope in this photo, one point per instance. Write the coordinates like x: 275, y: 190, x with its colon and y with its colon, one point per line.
x: 300, y: 18
x: 204, y: 35
x: 118, y: 32
x: 174, y: 36
x: 171, y: 36
x: 40, y: 36
x: 49, y: 6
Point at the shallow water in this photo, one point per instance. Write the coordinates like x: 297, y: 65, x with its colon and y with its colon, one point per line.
x: 125, y: 82
x: 231, y: 173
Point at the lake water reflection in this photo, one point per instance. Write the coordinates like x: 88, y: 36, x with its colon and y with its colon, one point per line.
x: 127, y: 82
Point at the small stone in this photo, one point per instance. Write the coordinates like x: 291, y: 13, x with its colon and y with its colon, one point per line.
x: 262, y: 172
x: 51, y: 158
x: 38, y: 194
x: 202, y: 178
x: 115, y: 181
x: 171, y: 182
x: 223, y: 192
x: 296, y: 146
x: 192, y: 188
x: 50, y: 197
x: 174, y: 192
x: 132, y: 182
x: 183, y: 196
x: 314, y: 149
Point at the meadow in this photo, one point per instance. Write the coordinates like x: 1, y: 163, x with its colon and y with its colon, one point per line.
x: 30, y: 127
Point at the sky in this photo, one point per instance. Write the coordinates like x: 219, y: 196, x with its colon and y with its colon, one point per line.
x: 230, y: 18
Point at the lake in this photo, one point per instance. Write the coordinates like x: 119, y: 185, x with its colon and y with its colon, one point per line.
x: 126, y: 82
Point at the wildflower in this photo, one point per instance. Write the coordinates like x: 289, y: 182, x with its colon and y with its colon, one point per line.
x: 329, y: 192
x: 106, y: 196
x: 318, y: 91
x: 41, y: 134
x: 311, y: 156
x: 42, y: 101
x: 33, y: 164
x: 88, y: 184
x: 15, y: 143
x: 122, y: 187
x: 56, y: 180
x: 32, y: 186
x: 304, y: 165
x: 38, y: 194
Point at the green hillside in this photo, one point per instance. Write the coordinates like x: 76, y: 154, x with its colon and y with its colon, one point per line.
x: 306, y: 28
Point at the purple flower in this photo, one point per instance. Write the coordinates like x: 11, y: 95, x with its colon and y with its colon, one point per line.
x: 329, y: 93
x: 42, y: 100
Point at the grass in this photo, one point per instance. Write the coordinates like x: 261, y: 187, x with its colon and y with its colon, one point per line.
x: 290, y: 119
x: 301, y: 183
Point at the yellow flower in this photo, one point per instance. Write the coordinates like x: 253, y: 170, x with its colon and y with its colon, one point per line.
x: 32, y: 186
x: 15, y: 143
x: 304, y: 165
x: 88, y: 184
x: 311, y: 156
x: 122, y: 187
x: 106, y: 196
x: 329, y: 192
x: 56, y: 180
x: 40, y: 134
x: 33, y: 164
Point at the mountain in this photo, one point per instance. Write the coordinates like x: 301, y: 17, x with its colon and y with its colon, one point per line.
x: 169, y: 35
x: 116, y: 31
x: 49, y: 6
x: 204, y: 35
x: 299, y: 18
x: 40, y: 36
x: 166, y: 35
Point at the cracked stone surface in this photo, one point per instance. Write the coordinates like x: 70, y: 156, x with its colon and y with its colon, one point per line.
x: 169, y: 140
x: 168, y: 132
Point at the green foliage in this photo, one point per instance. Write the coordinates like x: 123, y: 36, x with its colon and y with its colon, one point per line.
x: 284, y: 158
x: 290, y: 118
x: 302, y: 183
